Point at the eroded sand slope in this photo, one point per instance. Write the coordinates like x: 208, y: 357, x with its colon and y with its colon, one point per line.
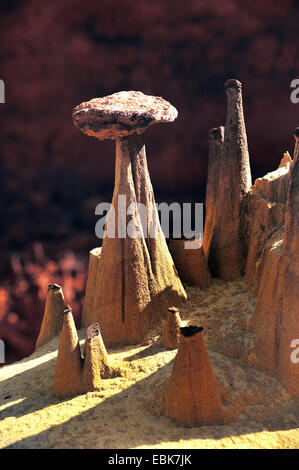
x: 125, y: 413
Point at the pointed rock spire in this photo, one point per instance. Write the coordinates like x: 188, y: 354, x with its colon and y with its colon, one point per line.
x: 229, y: 243
x: 67, y: 376
x: 171, y: 333
x: 96, y: 364
x: 53, y: 316
x: 216, y: 141
x: 192, y: 395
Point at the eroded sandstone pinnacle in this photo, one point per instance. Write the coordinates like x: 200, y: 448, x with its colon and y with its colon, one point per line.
x: 129, y: 290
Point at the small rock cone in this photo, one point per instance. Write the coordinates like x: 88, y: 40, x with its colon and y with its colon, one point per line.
x: 192, y: 395
x: 229, y: 243
x: 67, y: 376
x: 171, y: 333
x: 216, y: 141
x: 53, y: 316
x: 96, y: 364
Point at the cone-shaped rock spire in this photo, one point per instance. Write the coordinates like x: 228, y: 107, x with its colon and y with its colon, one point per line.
x: 171, y: 333
x: 53, y: 316
x: 67, y: 376
x: 229, y: 244
x: 96, y: 364
x: 216, y: 140
x: 192, y: 395
x: 135, y: 279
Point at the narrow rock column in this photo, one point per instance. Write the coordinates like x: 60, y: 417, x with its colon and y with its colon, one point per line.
x: 192, y: 394
x: 216, y: 140
x: 93, y: 267
x: 229, y: 243
x: 53, y: 316
x: 171, y: 333
x: 67, y: 376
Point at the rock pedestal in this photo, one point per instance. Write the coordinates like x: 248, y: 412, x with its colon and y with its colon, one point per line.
x: 135, y: 280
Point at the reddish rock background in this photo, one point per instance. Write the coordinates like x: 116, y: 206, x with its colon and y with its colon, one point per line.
x: 56, y: 54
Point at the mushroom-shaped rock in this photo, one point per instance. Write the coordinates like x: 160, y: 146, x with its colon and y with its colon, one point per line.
x: 53, y: 316
x: 171, y: 333
x: 96, y: 364
x: 135, y: 279
x: 67, y: 375
x: 192, y: 395
x: 122, y: 114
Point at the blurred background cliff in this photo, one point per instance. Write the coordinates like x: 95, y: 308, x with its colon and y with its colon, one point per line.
x: 54, y: 55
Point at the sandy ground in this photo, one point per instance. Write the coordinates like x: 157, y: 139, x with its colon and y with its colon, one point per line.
x: 125, y: 413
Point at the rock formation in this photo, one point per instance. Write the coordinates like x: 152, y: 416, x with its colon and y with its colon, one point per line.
x: 73, y: 373
x: 96, y: 363
x: 93, y: 267
x: 171, y: 332
x: 192, y: 395
x: 67, y: 376
x: 287, y: 291
x: 216, y: 140
x: 273, y: 270
x: 228, y: 242
x: 53, y: 316
x: 191, y: 263
x: 266, y: 205
x: 135, y: 279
